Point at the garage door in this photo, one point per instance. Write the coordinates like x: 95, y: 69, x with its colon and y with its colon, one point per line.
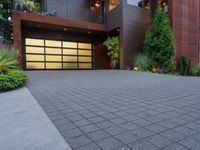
x: 51, y: 54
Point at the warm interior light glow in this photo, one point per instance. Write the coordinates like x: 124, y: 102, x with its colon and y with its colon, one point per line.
x: 51, y: 54
x: 113, y: 4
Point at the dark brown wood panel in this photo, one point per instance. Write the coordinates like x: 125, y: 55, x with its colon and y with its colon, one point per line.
x: 101, y: 60
x: 71, y: 9
x: 114, y: 18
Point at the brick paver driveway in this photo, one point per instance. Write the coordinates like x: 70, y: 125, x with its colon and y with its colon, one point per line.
x: 120, y: 110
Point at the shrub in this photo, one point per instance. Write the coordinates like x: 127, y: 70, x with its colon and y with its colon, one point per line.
x: 195, y: 71
x: 112, y: 44
x: 159, y: 43
x: 142, y: 61
x: 184, y: 65
x: 12, y: 80
x: 8, y: 59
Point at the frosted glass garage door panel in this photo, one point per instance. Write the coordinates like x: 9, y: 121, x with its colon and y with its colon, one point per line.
x: 70, y: 44
x: 36, y: 50
x: 85, y: 59
x: 70, y: 51
x: 70, y: 58
x: 70, y: 65
x: 35, y: 42
x: 52, y: 43
x: 53, y: 51
x: 85, y: 52
x: 34, y: 65
x: 84, y: 46
x: 85, y: 65
x: 53, y: 65
x: 34, y: 57
x: 53, y: 58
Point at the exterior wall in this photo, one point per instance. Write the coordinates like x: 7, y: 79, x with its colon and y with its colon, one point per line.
x: 135, y: 23
x: 114, y: 18
x: 132, y: 21
x: 74, y: 9
x: 185, y: 22
x: 71, y: 9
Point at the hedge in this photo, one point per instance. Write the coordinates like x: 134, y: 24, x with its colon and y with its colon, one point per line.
x: 12, y: 80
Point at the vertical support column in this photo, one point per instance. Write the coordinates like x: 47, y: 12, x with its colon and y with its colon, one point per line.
x: 17, y: 36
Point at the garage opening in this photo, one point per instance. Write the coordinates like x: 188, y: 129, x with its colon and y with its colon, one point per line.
x: 52, y: 54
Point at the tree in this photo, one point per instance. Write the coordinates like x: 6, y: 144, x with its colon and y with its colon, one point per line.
x: 6, y: 21
x: 159, y: 43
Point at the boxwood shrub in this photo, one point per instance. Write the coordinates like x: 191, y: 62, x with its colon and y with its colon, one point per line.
x: 12, y: 80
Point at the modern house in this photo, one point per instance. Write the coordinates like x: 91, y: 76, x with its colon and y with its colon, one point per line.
x: 71, y: 33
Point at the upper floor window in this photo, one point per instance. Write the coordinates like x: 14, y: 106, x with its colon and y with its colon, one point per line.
x: 113, y: 4
x: 162, y: 4
x: 97, y: 11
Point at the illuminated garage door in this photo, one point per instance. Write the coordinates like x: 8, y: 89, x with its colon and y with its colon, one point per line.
x: 51, y: 54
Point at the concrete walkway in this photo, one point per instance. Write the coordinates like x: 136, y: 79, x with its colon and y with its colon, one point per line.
x: 25, y: 126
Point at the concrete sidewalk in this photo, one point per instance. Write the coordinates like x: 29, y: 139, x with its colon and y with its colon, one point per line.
x: 25, y: 126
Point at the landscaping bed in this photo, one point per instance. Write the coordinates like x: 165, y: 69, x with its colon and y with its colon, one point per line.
x: 11, y: 77
x: 159, y: 51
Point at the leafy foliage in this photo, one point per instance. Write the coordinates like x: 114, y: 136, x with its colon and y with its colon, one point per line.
x: 185, y: 65
x: 159, y: 43
x: 11, y: 80
x: 195, y: 71
x: 112, y: 44
x: 142, y: 61
x: 5, y: 21
x: 28, y: 5
x: 8, y: 59
x: 31, y: 6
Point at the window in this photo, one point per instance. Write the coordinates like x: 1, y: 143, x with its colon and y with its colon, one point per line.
x: 113, y: 4
x: 162, y: 4
x: 133, y: 2
x: 97, y: 11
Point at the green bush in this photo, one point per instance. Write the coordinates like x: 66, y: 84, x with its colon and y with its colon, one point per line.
x: 159, y: 43
x: 112, y: 44
x: 12, y: 80
x: 184, y: 65
x: 142, y: 61
x: 195, y: 71
x: 8, y: 59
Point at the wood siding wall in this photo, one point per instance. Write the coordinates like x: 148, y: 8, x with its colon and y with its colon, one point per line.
x: 114, y: 18
x: 71, y: 9
x: 185, y: 22
x: 135, y: 23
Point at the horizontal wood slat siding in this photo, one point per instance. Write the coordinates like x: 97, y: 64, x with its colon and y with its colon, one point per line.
x: 71, y: 9
x: 114, y: 18
x: 135, y: 23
